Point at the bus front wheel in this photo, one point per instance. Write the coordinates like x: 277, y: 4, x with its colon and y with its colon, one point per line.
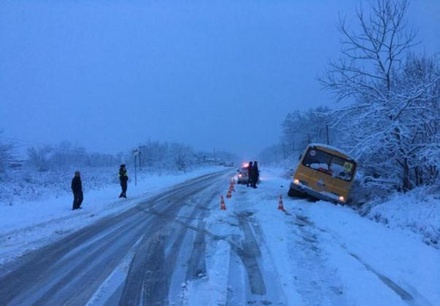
x: 294, y: 193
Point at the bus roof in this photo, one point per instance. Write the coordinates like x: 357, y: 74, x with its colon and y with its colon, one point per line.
x: 331, y: 148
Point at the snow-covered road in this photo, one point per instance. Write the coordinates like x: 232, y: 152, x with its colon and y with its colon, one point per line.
x: 177, y: 247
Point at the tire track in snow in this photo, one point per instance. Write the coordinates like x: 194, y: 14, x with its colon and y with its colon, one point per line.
x: 153, y: 271
x: 55, y: 275
x: 411, y: 297
x: 251, y: 262
x: 249, y: 254
x: 316, y: 283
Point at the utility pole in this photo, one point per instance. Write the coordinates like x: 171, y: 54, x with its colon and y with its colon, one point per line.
x: 328, y: 137
x: 140, y: 160
x: 135, y: 154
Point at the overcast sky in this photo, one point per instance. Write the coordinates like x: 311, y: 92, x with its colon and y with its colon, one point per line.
x: 216, y: 75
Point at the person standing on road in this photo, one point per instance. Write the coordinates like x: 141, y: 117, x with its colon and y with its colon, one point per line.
x: 249, y: 182
x: 77, y: 191
x: 255, y: 175
x: 123, y: 179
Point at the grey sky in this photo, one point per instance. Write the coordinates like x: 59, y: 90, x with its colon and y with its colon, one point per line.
x: 221, y: 75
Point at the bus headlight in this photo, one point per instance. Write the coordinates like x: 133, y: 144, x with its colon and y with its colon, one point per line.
x: 342, y: 199
x: 296, y: 181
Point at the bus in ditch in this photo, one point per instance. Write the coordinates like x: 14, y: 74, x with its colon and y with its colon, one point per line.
x: 324, y: 173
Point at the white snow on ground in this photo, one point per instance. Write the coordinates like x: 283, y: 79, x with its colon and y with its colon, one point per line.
x: 356, y: 260
x: 32, y: 224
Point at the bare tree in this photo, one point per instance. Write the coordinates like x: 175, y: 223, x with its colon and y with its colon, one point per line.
x: 371, y: 57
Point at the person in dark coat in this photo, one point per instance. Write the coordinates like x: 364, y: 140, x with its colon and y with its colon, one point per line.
x: 249, y: 182
x: 255, y: 175
x: 77, y: 191
x: 123, y: 179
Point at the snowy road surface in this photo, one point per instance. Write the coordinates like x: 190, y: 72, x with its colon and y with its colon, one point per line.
x: 178, y: 248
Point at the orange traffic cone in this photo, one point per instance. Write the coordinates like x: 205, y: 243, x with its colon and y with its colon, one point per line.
x: 231, y: 187
x: 280, y: 204
x: 222, y: 203
x: 229, y: 194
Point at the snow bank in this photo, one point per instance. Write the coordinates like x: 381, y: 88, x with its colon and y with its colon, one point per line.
x: 416, y: 211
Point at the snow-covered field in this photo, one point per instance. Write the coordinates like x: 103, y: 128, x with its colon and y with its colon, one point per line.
x: 360, y: 254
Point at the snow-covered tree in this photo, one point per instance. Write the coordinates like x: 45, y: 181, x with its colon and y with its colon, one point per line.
x: 39, y: 157
x: 295, y: 132
x: 182, y: 155
x: 5, y: 153
x: 276, y: 155
x: 301, y: 128
x: 416, y: 117
x: 152, y: 155
x: 389, y: 124
x: 68, y: 154
x: 159, y: 156
x: 103, y: 160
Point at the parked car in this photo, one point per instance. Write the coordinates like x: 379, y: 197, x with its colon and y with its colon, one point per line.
x: 242, y: 174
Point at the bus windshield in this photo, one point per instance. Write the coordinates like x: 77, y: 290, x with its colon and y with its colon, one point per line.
x: 329, y: 164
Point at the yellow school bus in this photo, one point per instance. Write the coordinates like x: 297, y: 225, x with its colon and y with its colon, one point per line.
x: 324, y: 173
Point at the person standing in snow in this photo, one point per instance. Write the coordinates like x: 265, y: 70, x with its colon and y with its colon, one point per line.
x: 249, y: 182
x: 123, y: 179
x: 255, y: 175
x: 77, y: 191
